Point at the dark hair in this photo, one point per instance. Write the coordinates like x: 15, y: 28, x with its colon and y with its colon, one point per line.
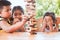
x: 52, y: 14
x: 4, y: 3
x: 3, y: 0
x: 17, y: 8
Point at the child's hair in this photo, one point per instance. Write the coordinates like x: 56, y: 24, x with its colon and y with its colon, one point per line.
x: 3, y: 0
x: 4, y: 3
x: 51, y: 14
x: 17, y: 8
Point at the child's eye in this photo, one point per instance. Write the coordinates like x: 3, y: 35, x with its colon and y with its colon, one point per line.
x: 20, y: 14
x: 8, y: 10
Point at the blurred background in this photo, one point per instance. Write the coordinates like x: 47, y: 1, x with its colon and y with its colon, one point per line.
x: 41, y: 6
x: 17, y: 2
x: 47, y: 5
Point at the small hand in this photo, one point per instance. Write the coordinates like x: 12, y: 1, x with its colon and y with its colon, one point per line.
x: 15, y: 20
x: 24, y: 18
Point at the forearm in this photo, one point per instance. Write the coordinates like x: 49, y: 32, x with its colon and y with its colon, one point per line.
x: 43, y: 27
x: 16, y: 26
x: 51, y: 27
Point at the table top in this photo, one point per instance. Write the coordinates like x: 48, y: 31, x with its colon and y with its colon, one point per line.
x: 28, y: 36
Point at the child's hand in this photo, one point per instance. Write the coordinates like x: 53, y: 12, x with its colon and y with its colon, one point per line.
x: 44, y: 24
x: 28, y: 17
x: 50, y: 24
x: 15, y: 20
x: 24, y: 18
x: 44, y: 21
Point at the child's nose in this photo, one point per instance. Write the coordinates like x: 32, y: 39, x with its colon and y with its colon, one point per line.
x: 18, y: 16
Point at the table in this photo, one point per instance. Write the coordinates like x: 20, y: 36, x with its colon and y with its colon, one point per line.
x: 27, y: 36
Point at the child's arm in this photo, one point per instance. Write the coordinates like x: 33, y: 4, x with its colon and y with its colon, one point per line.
x: 22, y: 29
x: 50, y: 24
x: 15, y: 20
x: 11, y: 28
x: 43, y: 26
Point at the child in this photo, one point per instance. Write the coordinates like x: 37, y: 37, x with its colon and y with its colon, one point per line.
x: 5, y: 11
x: 49, y: 22
x: 17, y: 14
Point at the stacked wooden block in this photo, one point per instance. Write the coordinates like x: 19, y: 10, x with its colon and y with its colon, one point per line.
x: 30, y: 6
x: 31, y: 9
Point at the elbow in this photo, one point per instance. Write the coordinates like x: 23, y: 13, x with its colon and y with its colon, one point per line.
x: 9, y: 31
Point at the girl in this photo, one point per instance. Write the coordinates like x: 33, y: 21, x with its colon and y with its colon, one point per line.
x: 49, y: 22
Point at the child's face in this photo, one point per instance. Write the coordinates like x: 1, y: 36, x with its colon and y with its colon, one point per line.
x: 6, y: 12
x: 17, y: 14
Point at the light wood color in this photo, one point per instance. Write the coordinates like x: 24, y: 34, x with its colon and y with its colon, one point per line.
x: 27, y: 36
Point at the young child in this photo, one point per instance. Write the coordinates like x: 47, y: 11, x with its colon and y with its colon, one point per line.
x: 5, y: 11
x: 49, y: 22
x: 17, y: 14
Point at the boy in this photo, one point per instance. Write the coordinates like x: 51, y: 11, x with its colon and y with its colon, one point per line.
x: 5, y: 11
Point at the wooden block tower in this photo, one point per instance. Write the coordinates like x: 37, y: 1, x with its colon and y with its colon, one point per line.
x: 31, y: 9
